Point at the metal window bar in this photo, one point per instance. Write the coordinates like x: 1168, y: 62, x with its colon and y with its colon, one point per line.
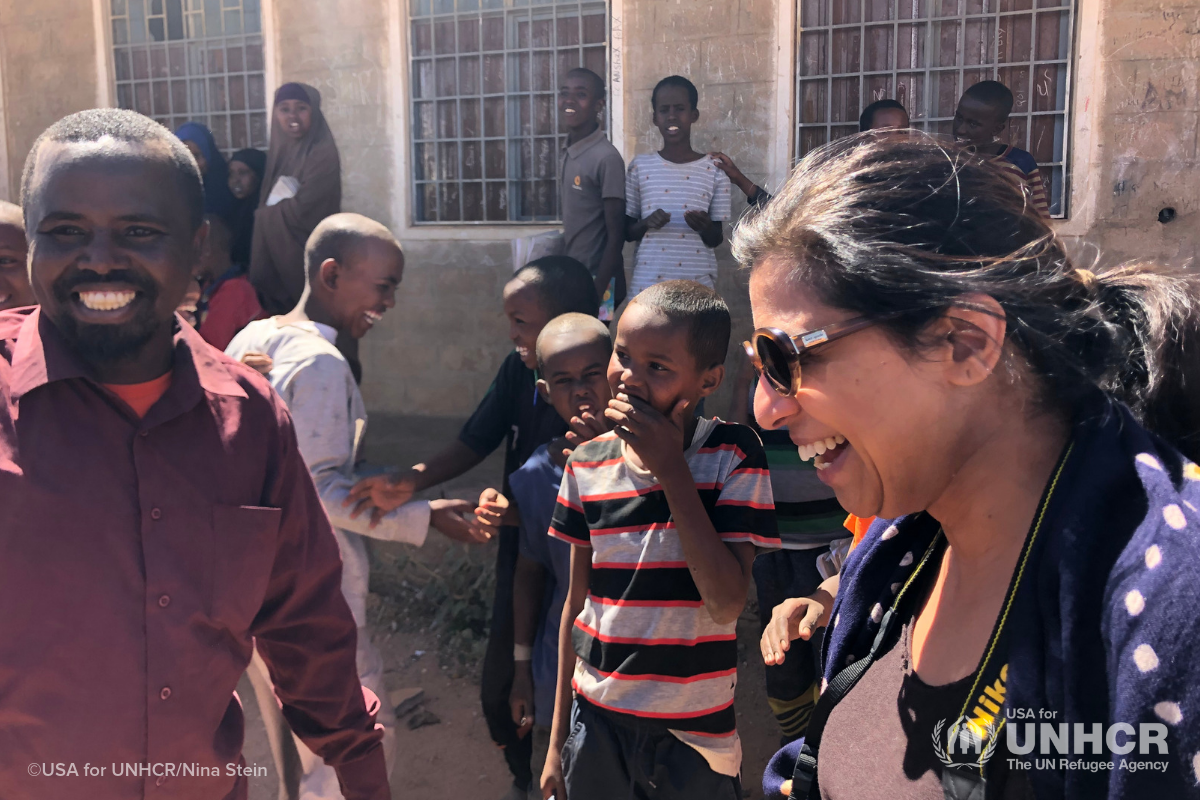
x: 172, y: 62
x: 926, y: 112
x: 527, y: 191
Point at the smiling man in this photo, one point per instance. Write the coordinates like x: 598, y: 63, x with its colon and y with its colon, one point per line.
x: 157, y: 511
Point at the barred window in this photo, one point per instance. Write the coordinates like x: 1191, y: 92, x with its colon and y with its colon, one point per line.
x: 924, y: 53
x: 484, y: 77
x: 193, y: 60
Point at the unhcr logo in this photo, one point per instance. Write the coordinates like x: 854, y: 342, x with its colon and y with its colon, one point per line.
x: 967, y: 743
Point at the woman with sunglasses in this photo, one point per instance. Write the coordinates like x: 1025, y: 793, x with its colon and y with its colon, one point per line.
x: 1022, y: 428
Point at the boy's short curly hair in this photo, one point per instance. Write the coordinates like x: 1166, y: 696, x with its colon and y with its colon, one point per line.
x: 563, y: 284
x: 679, y: 82
x: 698, y: 307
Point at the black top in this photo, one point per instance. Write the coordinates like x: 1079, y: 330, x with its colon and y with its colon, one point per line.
x: 512, y: 409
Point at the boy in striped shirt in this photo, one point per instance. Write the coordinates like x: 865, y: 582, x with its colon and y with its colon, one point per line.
x: 664, y: 514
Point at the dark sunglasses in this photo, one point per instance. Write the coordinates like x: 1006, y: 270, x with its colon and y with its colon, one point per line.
x: 776, y: 355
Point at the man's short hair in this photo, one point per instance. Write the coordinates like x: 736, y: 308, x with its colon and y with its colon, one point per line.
x: 867, y: 118
x: 597, y: 82
x: 563, y: 284
x: 680, y: 82
x: 338, y: 236
x: 10, y: 214
x: 699, y: 308
x: 994, y: 94
x: 124, y: 126
x: 573, y: 323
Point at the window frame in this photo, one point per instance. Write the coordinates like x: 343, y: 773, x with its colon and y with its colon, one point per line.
x: 791, y: 21
x: 107, y: 94
x: 406, y: 200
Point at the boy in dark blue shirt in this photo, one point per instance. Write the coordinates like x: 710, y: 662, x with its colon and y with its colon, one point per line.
x: 573, y: 351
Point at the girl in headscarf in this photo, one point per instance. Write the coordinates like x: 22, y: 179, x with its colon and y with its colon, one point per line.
x: 246, y: 169
x: 302, y: 186
x: 199, y: 140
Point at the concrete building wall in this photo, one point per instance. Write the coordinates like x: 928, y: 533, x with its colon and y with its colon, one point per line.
x: 47, y: 70
x: 1138, y: 108
x: 1135, y: 121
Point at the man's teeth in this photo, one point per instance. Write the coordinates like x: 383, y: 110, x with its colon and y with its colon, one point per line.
x: 814, y: 449
x: 672, y: 129
x: 106, y: 301
x: 4, y: 298
x: 372, y: 317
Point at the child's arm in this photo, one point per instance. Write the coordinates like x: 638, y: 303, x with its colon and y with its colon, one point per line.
x: 711, y: 231
x: 529, y: 580
x: 721, y: 570
x: 797, y: 618
x: 612, y: 261
x: 560, y: 728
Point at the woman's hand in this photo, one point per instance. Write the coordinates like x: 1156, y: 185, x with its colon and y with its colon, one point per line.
x: 795, y: 618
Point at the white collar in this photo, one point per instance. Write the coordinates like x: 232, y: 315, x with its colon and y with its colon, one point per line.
x: 327, y: 332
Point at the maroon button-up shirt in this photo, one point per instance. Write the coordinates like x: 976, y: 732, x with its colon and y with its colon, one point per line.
x: 138, y: 558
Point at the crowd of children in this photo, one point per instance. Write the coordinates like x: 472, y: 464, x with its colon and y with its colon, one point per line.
x: 627, y: 523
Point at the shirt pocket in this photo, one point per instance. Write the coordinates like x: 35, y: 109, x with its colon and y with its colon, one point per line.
x: 244, y: 541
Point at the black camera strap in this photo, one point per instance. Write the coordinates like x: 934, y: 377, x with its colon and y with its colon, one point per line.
x: 982, y: 711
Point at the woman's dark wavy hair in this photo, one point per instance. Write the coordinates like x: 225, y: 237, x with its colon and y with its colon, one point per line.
x: 880, y: 225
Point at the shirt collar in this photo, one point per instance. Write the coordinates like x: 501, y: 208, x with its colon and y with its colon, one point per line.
x: 326, y: 332
x: 41, y: 356
x: 580, y: 147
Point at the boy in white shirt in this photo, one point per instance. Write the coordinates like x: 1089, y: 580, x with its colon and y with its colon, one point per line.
x: 354, y: 265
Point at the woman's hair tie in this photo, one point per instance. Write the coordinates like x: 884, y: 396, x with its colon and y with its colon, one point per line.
x: 1087, y: 279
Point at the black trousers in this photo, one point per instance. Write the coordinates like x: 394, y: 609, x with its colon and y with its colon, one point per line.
x: 498, y: 666
x: 606, y: 758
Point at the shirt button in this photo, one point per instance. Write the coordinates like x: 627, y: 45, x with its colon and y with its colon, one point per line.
x: 144, y: 434
x: 164, y: 601
x: 155, y: 513
x: 165, y: 693
x: 161, y: 780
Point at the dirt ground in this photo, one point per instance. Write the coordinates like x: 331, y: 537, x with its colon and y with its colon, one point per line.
x: 455, y: 757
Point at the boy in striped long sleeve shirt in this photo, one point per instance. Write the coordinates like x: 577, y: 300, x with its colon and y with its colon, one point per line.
x: 664, y: 514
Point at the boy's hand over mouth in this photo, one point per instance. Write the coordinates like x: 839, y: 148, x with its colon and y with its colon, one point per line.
x: 585, y: 428
x: 656, y: 438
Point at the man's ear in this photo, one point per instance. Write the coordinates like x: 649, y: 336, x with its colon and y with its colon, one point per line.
x: 200, y: 239
x: 329, y: 272
x: 543, y: 389
x: 695, y: 115
x: 711, y: 380
x: 973, y: 333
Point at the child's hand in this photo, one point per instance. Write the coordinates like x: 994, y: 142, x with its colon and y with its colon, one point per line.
x: 726, y: 165
x: 584, y: 429
x: 381, y: 494
x: 657, y: 439
x: 658, y: 219
x: 520, y: 698
x: 449, y: 517
x: 260, y: 362
x: 489, y: 515
x: 795, y: 618
x: 553, y: 784
x: 699, y: 221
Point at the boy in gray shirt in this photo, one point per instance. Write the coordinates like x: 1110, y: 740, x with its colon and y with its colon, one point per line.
x: 592, y: 191
x: 354, y: 266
